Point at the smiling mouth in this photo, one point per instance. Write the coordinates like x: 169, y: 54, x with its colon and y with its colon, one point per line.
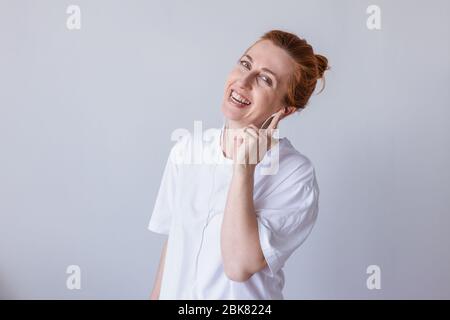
x: 238, y: 100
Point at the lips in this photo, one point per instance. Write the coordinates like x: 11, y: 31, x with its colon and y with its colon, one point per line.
x: 238, y: 99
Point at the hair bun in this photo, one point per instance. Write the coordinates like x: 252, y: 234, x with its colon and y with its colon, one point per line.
x: 322, y: 64
x: 309, y: 67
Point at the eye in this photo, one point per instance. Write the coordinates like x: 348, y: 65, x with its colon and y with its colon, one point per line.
x: 246, y: 64
x: 266, y: 80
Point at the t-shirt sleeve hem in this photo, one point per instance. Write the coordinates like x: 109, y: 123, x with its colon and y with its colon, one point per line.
x: 158, y: 228
x: 273, y: 262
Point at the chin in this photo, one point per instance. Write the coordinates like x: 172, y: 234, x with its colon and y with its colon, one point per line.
x: 230, y: 112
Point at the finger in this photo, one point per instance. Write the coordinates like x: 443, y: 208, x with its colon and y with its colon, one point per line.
x: 250, y: 136
x: 251, y: 146
x: 237, y: 142
x: 252, y: 131
x: 239, y: 133
x: 274, y: 123
x: 250, y: 139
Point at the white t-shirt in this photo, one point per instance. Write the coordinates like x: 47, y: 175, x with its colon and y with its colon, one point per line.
x: 190, y: 206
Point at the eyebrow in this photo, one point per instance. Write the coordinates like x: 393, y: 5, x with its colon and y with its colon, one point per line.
x: 265, y: 69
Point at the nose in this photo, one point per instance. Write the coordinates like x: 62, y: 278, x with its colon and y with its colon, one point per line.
x: 245, y: 82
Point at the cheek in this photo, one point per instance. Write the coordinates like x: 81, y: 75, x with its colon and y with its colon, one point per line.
x: 233, y: 76
x: 264, y: 98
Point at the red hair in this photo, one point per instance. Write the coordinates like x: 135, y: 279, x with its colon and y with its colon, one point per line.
x: 309, y: 67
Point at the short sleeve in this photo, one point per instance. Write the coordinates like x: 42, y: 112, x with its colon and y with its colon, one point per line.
x: 287, y: 216
x: 161, y: 218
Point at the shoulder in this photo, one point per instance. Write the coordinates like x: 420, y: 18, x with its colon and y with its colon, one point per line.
x: 292, y: 157
x: 295, y: 173
x: 192, y: 148
x: 292, y: 162
x: 293, y: 188
x: 182, y: 142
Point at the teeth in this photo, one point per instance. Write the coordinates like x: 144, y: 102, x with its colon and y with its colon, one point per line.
x: 239, y: 98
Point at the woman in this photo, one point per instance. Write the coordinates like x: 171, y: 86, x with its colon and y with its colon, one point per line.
x: 232, y: 226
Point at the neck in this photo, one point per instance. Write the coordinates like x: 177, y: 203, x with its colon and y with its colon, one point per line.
x: 230, y: 130
x: 230, y: 124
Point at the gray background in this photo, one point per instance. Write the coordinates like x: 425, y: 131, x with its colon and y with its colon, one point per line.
x: 86, y: 117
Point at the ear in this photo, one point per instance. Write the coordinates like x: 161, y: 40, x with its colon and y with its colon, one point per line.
x: 288, y: 110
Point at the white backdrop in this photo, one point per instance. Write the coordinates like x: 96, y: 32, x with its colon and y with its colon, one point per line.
x: 86, y: 116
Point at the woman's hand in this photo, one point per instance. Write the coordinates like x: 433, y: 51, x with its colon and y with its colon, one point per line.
x: 252, y: 143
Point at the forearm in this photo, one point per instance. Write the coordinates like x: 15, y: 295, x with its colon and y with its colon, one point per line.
x: 157, y: 286
x: 241, y: 251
